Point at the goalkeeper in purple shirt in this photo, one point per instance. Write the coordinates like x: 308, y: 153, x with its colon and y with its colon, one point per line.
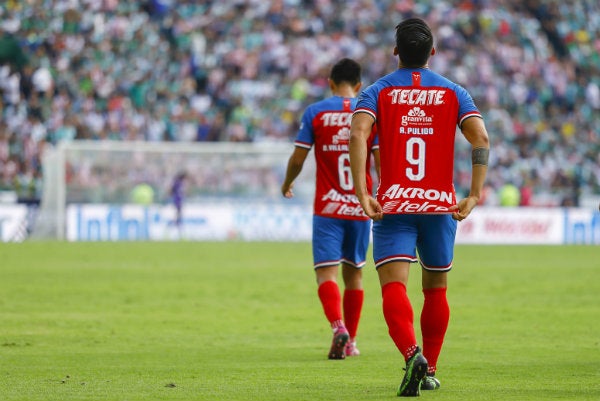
x: 177, y: 195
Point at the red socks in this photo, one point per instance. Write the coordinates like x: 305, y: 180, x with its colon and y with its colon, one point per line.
x: 353, y: 303
x: 434, y: 322
x: 329, y: 294
x: 398, y: 314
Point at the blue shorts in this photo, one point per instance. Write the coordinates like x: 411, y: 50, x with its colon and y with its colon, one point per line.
x: 398, y: 237
x: 340, y: 240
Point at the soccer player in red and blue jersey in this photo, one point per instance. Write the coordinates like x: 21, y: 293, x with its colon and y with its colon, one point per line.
x: 416, y: 112
x: 341, y: 229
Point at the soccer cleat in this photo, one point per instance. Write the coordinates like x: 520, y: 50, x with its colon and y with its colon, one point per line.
x: 416, y: 368
x: 338, y: 345
x: 351, y: 349
x: 429, y: 382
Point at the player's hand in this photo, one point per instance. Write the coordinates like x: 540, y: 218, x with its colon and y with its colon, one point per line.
x: 464, y: 208
x: 371, y: 207
x: 286, y: 190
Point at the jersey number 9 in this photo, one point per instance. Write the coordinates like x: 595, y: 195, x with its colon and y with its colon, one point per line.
x: 415, y: 156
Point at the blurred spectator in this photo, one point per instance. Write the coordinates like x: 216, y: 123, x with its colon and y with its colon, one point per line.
x: 509, y: 195
x: 526, y: 194
x: 142, y: 194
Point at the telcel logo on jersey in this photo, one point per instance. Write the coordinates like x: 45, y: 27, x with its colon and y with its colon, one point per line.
x: 418, y: 200
x: 418, y: 97
x: 343, y: 209
x: 342, y: 204
x: 413, y: 207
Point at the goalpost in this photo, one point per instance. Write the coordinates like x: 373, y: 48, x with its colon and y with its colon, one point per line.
x: 106, y: 172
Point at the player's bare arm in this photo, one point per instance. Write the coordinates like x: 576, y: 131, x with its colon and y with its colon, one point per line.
x: 474, y: 130
x: 294, y: 167
x: 377, y: 160
x: 360, y: 131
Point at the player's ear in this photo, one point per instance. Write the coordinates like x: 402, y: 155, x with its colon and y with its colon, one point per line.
x: 331, y: 84
x: 395, y: 50
x: 432, y: 51
x: 357, y: 87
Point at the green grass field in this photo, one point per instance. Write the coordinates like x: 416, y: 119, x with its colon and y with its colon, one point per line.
x: 241, y: 321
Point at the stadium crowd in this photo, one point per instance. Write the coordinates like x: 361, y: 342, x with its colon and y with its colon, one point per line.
x: 243, y: 71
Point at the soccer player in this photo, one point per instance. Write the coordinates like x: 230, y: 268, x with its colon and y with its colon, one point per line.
x: 177, y: 195
x: 341, y: 230
x: 416, y: 112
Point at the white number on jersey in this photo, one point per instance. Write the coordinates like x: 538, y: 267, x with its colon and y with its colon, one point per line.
x: 415, y: 146
x: 344, y: 172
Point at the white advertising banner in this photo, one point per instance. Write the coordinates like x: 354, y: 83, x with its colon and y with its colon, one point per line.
x: 13, y: 222
x: 512, y: 226
x: 217, y: 222
x: 281, y: 222
x: 529, y: 225
x: 140, y: 223
x: 581, y: 226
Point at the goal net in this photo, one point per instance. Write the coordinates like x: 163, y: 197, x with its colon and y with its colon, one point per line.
x: 107, y: 172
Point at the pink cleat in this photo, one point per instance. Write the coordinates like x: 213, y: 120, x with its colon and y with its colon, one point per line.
x: 338, y: 345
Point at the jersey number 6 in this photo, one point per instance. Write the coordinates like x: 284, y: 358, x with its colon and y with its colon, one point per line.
x: 344, y: 172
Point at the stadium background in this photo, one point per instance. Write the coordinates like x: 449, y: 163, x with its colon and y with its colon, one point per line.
x: 243, y: 71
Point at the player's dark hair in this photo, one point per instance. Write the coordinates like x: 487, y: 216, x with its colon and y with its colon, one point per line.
x: 414, y: 42
x: 346, y: 70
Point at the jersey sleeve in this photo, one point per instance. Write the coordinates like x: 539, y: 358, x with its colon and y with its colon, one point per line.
x: 305, y: 137
x: 367, y: 101
x: 467, y: 106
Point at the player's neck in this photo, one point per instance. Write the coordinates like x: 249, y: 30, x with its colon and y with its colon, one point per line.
x: 412, y: 68
x: 344, y: 91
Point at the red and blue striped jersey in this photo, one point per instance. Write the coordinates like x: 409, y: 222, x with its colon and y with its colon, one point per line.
x: 416, y: 113
x: 325, y: 125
